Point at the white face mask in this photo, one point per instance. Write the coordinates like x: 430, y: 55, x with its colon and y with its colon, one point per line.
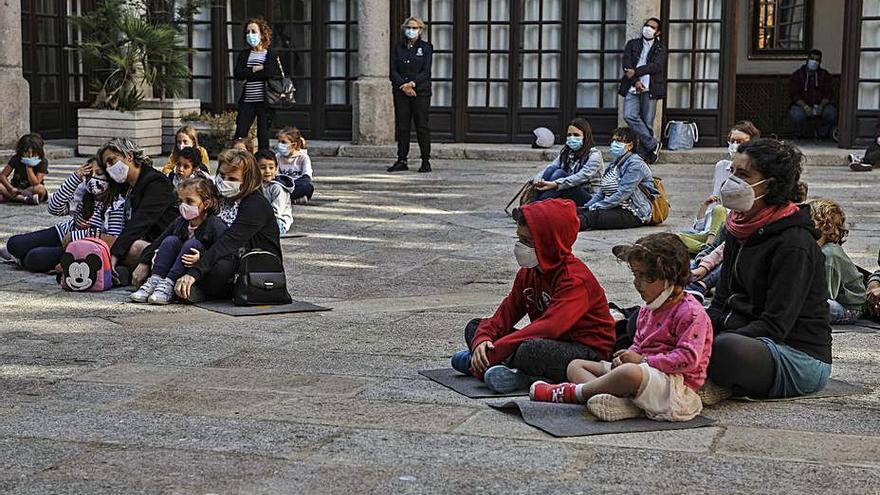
x: 648, y: 32
x: 525, y: 255
x: 739, y: 195
x: 731, y: 148
x: 118, y: 171
x: 659, y: 300
x: 228, y: 188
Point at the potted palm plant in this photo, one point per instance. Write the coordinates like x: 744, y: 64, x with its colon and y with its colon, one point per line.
x: 132, y: 55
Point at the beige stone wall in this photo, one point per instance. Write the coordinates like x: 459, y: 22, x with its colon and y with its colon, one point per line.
x: 14, y: 91
x: 372, y: 108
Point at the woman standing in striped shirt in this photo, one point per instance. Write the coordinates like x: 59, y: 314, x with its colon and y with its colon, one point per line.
x: 255, y: 66
x: 96, y: 206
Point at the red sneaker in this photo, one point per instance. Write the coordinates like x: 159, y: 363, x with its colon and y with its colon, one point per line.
x: 545, y: 392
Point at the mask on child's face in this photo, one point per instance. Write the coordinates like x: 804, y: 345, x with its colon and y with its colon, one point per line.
x: 731, y: 148
x: 97, y: 186
x: 189, y: 212
x: 31, y: 161
x: 662, y: 298
x: 617, y: 148
x: 181, y: 146
x: 574, y: 142
x: 525, y: 255
x: 283, y: 149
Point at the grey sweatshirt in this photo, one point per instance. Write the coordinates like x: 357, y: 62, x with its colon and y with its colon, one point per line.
x: 278, y: 193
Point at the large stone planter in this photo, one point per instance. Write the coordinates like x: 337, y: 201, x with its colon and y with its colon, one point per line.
x: 96, y: 127
x: 172, y: 110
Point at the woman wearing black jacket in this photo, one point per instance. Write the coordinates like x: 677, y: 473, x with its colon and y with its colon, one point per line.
x: 255, y: 66
x: 251, y: 223
x: 411, y: 76
x: 150, y: 206
x: 770, y: 311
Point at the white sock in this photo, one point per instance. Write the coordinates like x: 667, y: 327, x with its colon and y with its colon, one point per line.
x: 579, y: 393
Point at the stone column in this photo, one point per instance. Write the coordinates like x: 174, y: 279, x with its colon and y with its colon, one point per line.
x: 372, y: 105
x: 15, y: 119
x: 636, y: 13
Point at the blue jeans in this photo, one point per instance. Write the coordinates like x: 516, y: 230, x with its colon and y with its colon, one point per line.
x: 38, y: 251
x: 827, y: 120
x: 638, y: 112
x: 576, y: 194
x: 168, y: 262
x: 841, y: 315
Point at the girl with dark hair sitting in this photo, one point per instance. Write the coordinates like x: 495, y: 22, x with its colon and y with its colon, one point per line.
x: 576, y: 172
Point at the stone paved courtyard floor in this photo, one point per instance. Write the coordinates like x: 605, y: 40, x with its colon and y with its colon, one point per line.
x: 98, y: 395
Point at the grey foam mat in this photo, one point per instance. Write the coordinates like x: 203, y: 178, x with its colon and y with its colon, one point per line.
x: 466, y: 385
x: 835, y: 388
x: 573, y: 420
x: 858, y: 326
x: 227, y: 308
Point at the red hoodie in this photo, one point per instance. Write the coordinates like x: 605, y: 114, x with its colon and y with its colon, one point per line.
x: 563, y: 299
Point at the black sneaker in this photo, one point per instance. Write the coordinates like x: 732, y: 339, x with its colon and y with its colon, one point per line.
x: 856, y: 165
x: 123, y: 277
x: 655, y: 155
x: 399, y: 166
x: 426, y: 166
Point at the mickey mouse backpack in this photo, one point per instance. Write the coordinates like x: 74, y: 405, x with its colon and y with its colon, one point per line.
x: 86, y: 266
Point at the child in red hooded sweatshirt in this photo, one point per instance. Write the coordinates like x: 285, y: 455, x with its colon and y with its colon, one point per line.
x: 566, y: 306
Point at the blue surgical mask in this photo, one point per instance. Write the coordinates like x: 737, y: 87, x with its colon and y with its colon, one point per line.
x: 411, y: 33
x: 617, y: 148
x: 31, y: 161
x: 812, y: 64
x: 282, y: 149
x: 574, y: 142
x: 253, y: 39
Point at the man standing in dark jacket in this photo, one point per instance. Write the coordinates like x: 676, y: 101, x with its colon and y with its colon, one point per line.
x: 411, y: 77
x: 812, y: 94
x: 643, y: 83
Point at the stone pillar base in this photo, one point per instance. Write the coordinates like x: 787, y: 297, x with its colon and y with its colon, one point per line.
x: 372, y: 111
x: 15, y: 119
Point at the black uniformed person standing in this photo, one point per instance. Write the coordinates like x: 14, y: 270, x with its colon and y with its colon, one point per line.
x: 411, y: 77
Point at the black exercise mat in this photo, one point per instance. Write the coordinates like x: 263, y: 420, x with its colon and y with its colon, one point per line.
x: 573, y: 420
x: 322, y: 200
x: 466, y: 385
x: 293, y: 235
x: 858, y: 326
x: 835, y: 388
x: 227, y: 308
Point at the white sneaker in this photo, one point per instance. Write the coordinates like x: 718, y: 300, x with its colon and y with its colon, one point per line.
x: 164, y: 292
x: 711, y: 394
x: 609, y: 407
x: 146, y: 290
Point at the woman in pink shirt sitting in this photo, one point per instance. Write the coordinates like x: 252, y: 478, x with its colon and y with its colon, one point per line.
x: 659, y: 375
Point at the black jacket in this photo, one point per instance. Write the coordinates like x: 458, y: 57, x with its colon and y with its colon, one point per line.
x: 254, y: 228
x: 150, y: 206
x: 271, y: 68
x: 811, y: 86
x: 412, y: 63
x: 655, y: 67
x: 207, y: 233
x: 773, y: 285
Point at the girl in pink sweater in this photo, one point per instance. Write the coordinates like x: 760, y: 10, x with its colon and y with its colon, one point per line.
x: 659, y: 375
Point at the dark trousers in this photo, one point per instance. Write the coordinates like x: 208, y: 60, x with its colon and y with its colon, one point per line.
x: 302, y: 187
x: 541, y: 358
x: 168, y: 262
x: 247, y: 112
x: 578, y: 194
x: 217, y: 282
x: 615, y: 218
x: 872, y: 155
x: 409, y: 109
x: 743, y: 364
x: 38, y: 251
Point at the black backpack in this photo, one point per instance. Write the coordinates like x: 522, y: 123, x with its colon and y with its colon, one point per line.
x: 260, y: 280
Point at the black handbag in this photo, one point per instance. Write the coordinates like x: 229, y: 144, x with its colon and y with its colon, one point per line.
x: 280, y: 92
x: 260, y: 280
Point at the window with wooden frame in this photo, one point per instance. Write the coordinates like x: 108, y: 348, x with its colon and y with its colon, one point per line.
x: 780, y: 28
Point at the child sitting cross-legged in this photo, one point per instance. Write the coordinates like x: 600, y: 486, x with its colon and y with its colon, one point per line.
x: 277, y: 189
x: 182, y: 243
x: 660, y: 373
x: 846, y: 286
x: 567, y: 309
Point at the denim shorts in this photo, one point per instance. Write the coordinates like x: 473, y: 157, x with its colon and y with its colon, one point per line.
x: 797, y: 373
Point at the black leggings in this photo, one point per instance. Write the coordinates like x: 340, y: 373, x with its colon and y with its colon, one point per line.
x: 38, y: 251
x: 303, y: 187
x: 743, y: 364
x: 247, y: 112
x: 217, y: 282
x: 541, y: 358
x: 615, y: 218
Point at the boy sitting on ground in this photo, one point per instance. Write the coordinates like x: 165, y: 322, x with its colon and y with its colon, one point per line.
x: 846, y: 285
x: 566, y: 305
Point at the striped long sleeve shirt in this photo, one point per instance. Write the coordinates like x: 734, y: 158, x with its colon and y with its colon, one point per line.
x: 107, y: 218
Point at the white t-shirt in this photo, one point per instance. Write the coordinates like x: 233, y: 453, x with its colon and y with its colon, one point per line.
x: 643, y: 60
